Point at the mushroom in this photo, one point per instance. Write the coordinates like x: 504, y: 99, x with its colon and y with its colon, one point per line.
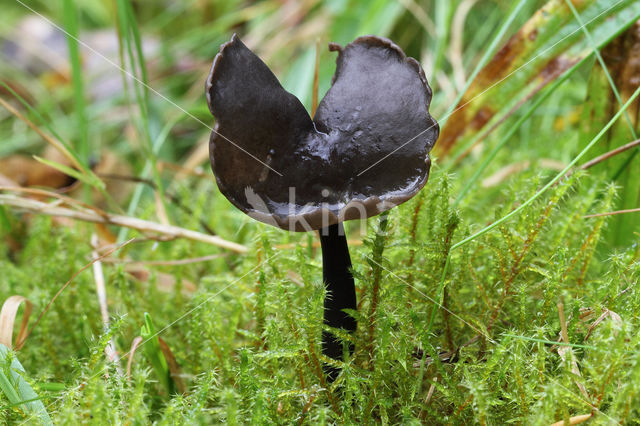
x: 365, y: 151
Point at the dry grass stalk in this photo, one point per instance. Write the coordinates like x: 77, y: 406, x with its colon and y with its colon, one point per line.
x: 191, y: 165
x: 178, y: 262
x: 432, y: 389
x: 165, y: 283
x: 52, y: 141
x: 5, y: 181
x: 314, y: 92
x: 420, y: 15
x: 101, y: 291
x: 606, y: 314
x: 167, y: 232
x: 511, y: 169
x: 456, y: 46
x: 198, y: 155
x: 609, y: 154
x: 612, y: 213
x: 8, y: 318
x: 134, y: 346
x: 172, y: 364
x: 574, y: 420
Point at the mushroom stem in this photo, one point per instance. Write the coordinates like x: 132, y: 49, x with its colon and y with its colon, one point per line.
x: 341, y: 292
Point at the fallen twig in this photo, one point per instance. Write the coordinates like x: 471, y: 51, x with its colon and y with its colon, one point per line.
x: 173, y: 198
x: 88, y: 215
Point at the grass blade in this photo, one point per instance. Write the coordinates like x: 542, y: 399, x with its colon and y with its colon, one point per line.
x: 546, y: 46
x: 77, y: 79
x: 17, y: 389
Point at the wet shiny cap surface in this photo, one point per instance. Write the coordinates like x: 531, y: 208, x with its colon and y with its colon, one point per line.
x: 365, y: 151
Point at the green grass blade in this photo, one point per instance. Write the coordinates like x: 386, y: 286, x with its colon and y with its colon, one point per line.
x: 546, y: 46
x: 77, y: 79
x: 511, y: 132
x: 133, y: 55
x: 88, y: 179
x: 602, y: 96
x: 16, y: 388
x: 605, y: 69
x: 154, y: 354
x: 137, y: 194
x: 444, y: 14
x: 486, y: 56
x: 529, y: 201
x: 552, y: 182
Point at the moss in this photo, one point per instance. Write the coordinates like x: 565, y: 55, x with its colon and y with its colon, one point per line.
x: 453, y: 336
x: 248, y: 345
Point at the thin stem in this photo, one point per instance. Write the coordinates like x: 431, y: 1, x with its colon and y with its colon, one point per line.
x: 609, y: 154
x: 341, y: 292
x: 488, y: 54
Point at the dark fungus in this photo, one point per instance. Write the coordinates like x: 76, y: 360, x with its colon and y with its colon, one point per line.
x: 365, y: 151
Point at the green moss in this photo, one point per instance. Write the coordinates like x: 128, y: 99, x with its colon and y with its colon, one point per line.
x: 446, y: 334
x: 248, y: 345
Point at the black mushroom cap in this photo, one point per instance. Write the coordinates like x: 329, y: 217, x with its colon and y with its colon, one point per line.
x: 365, y: 151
